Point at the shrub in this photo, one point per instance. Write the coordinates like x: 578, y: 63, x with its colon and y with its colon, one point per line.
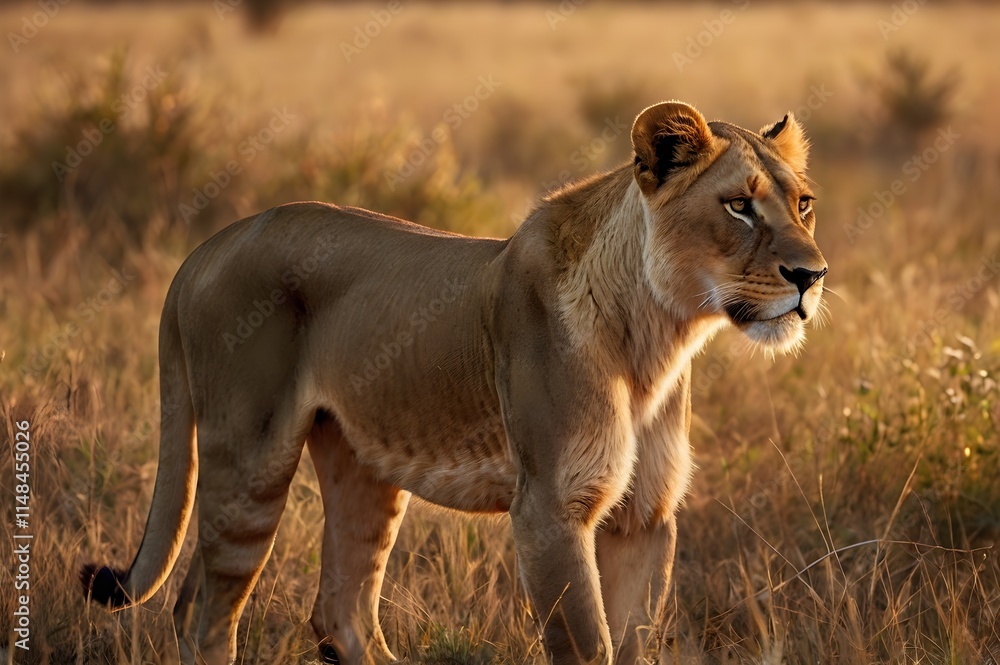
x: 387, y: 168
x: 116, y: 147
x: 912, y: 99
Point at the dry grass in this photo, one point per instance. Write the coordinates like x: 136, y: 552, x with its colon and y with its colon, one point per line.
x: 848, y: 500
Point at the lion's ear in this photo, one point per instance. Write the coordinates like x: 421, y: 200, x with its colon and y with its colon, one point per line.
x: 790, y: 141
x: 667, y: 136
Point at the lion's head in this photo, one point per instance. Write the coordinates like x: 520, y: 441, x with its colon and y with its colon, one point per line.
x: 730, y: 221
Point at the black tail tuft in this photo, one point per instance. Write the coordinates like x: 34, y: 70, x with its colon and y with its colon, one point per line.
x: 104, y: 585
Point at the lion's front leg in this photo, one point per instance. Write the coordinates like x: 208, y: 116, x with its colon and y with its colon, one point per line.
x: 635, y: 577
x: 636, y: 544
x: 559, y: 570
x: 576, y: 453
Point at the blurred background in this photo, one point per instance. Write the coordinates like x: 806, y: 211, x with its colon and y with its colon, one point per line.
x: 847, y: 504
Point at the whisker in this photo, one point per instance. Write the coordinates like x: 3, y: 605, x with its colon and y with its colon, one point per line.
x: 723, y: 292
x: 823, y: 315
x: 717, y: 287
x: 734, y: 298
x: 746, y: 308
x: 827, y: 289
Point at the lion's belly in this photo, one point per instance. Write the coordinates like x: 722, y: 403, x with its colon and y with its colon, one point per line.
x: 452, y: 462
x: 421, y: 409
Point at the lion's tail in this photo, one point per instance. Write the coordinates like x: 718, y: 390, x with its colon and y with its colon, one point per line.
x: 174, y: 492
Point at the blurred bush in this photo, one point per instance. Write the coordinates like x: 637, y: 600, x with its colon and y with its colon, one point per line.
x: 913, y: 100
x: 386, y: 166
x: 115, y: 148
x: 134, y: 156
x: 601, y: 100
x: 265, y: 15
x: 518, y: 142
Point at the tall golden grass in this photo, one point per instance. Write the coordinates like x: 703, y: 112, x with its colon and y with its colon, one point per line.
x: 848, y: 500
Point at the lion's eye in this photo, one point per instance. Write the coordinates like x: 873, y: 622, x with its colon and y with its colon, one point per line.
x: 741, y: 208
x: 740, y: 205
x: 805, y: 206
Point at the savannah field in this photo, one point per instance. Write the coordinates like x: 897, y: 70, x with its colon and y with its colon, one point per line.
x: 846, y: 508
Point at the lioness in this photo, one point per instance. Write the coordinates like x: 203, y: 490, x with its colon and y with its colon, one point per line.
x: 546, y: 375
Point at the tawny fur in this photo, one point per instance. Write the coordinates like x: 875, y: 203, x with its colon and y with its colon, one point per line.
x: 546, y: 375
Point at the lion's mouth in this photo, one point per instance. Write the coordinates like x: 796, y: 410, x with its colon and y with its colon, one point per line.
x: 744, y: 314
x: 780, y: 333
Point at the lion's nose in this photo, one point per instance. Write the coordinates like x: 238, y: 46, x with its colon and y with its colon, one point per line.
x: 802, y: 278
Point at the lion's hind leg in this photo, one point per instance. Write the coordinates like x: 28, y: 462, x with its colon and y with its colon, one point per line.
x: 363, y: 515
x: 239, y: 507
x: 185, y: 609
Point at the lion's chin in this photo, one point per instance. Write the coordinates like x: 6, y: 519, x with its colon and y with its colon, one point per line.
x: 782, y: 334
